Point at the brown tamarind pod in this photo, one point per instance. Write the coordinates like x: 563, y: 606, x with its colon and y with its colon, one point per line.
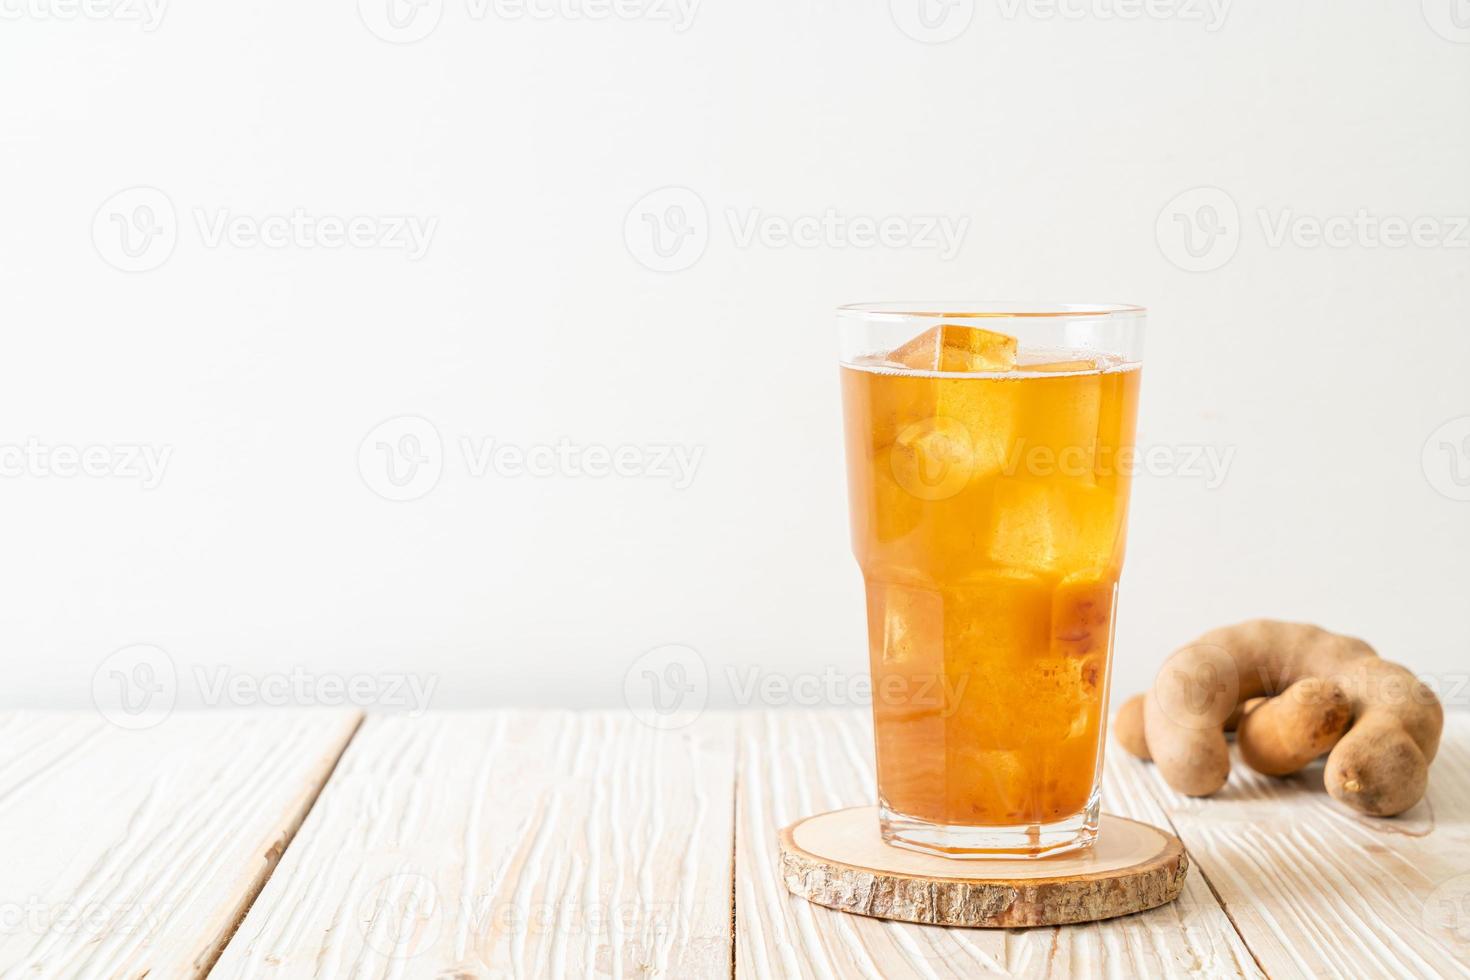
x: 1394, y: 721
x: 1128, y: 727
x: 1377, y: 769
x: 1285, y: 733
x: 1241, y: 710
x: 1381, y: 766
x: 1194, y: 692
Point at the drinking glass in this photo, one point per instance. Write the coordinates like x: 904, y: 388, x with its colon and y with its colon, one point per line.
x: 989, y: 454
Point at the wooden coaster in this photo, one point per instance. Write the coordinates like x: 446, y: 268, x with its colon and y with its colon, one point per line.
x: 839, y: 860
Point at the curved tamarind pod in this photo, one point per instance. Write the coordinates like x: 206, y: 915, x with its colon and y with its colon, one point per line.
x: 1200, y: 685
x: 1379, y: 767
x: 1283, y: 734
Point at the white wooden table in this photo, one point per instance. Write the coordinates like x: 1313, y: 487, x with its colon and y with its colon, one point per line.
x: 515, y: 844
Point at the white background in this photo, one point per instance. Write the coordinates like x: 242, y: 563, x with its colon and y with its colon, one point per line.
x: 1065, y: 142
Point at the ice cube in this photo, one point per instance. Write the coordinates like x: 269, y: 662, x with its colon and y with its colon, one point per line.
x: 950, y: 347
x: 994, y: 624
x: 888, y: 402
x: 1030, y: 526
x: 906, y: 642
x: 996, y: 616
x: 1058, y: 420
x: 1050, y: 526
x: 932, y: 458
x: 987, y: 411
x: 905, y: 625
x: 889, y: 510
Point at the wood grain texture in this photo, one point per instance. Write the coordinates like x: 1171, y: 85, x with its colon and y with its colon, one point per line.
x: 798, y: 763
x: 556, y: 844
x: 839, y: 859
x: 508, y: 844
x: 133, y: 853
x: 1318, y: 890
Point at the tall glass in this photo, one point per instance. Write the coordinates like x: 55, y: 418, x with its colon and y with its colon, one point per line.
x: 989, y: 453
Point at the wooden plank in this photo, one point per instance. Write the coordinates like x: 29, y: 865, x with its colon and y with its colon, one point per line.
x: 1317, y: 890
x: 508, y: 844
x: 133, y: 853
x: 797, y: 763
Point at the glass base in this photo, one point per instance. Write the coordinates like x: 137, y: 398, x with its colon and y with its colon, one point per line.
x: 1008, y: 842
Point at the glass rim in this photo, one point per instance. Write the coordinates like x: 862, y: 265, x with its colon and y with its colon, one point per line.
x: 983, y: 309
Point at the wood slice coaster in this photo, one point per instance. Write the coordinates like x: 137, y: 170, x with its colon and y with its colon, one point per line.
x: 839, y: 860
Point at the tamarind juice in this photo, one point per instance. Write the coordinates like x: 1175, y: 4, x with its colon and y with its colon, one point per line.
x: 988, y: 486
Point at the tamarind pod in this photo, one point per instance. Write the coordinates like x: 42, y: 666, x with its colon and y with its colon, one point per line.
x: 1193, y: 760
x: 1196, y: 689
x: 1285, y: 733
x: 1128, y: 727
x: 1380, y: 767
x: 1377, y: 769
x: 1201, y: 684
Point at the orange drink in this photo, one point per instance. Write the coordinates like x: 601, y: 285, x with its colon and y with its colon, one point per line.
x: 988, y: 456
